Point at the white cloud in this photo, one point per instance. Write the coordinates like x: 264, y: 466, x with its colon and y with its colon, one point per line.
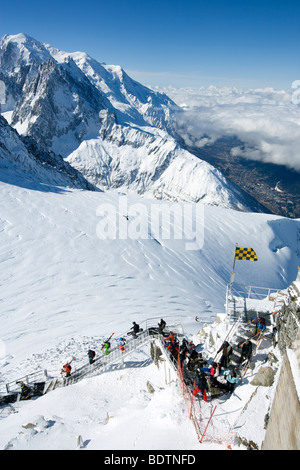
x: 266, y: 120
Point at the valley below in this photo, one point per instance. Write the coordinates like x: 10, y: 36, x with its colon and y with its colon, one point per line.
x: 276, y: 187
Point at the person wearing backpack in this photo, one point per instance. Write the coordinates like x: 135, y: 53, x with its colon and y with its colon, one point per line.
x: 226, y: 352
x: 231, y: 380
x: 106, y: 347
x: 66, y: 369
x: 91, y: 355
x: 260, y: 326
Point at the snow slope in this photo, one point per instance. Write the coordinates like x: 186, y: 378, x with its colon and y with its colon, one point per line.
x: 64, y: 289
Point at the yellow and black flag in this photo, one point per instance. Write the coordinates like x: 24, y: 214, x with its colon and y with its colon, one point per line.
x: 247, y: 254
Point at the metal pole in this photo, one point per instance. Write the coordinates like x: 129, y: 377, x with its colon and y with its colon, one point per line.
x: 192, y: 401
x: 208, y: 424
x: 233, y: 273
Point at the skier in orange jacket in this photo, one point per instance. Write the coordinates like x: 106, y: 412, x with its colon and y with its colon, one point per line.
x: 171, y: 337
x: 66, y: 369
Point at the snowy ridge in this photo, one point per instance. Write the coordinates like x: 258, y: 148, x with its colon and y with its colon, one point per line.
x: 153, y: 164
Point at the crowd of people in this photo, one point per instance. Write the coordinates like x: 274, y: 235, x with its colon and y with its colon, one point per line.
x: 201, y: 376
x: 198, y: 373
x: 105, y: 347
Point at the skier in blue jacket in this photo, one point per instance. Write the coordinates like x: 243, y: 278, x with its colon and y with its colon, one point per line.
x: 232, y: 379
x: 260, y: 325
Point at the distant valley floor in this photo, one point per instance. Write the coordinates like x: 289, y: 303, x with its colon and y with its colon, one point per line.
x: 276, y: 187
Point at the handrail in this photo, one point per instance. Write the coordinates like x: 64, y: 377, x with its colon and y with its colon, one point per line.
x: 102, y: 362
x: 251, y: 291
x: 35, y: 376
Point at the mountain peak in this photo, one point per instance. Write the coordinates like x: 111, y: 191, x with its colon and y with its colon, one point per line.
x: 21, y: 49
x: 19, y: 38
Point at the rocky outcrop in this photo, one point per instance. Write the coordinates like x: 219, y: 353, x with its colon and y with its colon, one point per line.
x: 288, y: 319
x: 23, y: 162
x: 283, y: 425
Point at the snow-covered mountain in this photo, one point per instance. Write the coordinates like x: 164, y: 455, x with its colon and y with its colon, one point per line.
x: 116, y: 132
x: 23, y: 163
x: 56, y: 97
x: 154, y: 165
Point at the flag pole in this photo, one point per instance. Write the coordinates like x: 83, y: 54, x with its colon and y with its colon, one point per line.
x: 233, y: 273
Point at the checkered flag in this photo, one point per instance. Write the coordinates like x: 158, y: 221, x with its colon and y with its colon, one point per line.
x: 246, y: 254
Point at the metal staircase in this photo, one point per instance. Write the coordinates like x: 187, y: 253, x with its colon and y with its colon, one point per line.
x: 149, y: 331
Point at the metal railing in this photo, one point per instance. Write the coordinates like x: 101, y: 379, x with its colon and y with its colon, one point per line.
x: 52, y: 380
x: 237, y: 296
x: 250, y: 292
x: 13, y: 386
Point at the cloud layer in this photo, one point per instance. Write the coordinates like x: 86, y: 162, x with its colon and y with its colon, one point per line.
x: 266, y: 120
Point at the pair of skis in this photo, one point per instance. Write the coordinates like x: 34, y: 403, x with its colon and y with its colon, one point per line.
x: 108, y: 339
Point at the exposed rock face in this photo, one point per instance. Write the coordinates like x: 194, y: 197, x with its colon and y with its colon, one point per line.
x: 264, y: 377
x: 22, y: 162
x: 288, y: 319
x: 59, y: 102
x: 283, y: 428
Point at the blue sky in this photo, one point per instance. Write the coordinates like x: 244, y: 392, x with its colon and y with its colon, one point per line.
x: 175, y: 43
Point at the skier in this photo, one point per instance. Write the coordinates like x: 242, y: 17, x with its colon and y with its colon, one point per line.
x: 260, y: 326
x: 201, y: 386
x: 122, y: 343
x: 91, y: 355
x: 232, y: 379
x: 67, y: 369
x: 26, y: 392
x: 135, y: 328
x: 105, y: 347
x: 161, y: 326
x: 183, y: 350
x: 246, y: 350
x: 171, y: 338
